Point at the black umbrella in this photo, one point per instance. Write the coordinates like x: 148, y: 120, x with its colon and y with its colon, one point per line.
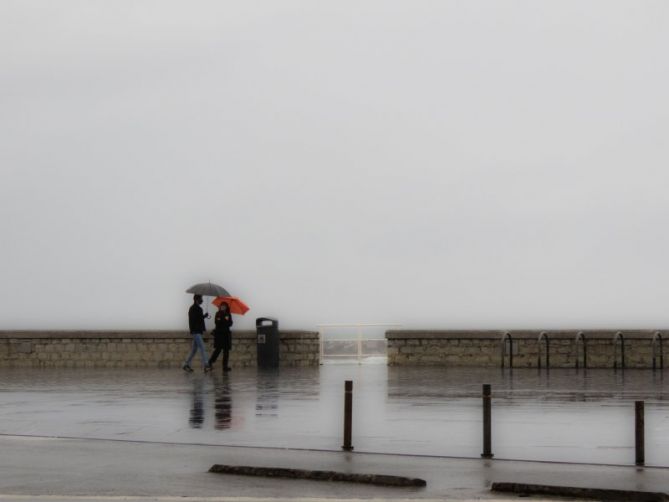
x: 208, y: 289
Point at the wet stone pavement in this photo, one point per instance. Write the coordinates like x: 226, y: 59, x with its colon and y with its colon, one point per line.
x: 560, y: 415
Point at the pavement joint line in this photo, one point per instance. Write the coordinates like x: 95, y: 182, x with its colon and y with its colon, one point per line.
x: 317, y: 450
x: 149, y: 498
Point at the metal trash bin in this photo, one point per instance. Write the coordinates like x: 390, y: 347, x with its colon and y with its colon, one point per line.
x: 267, y: 338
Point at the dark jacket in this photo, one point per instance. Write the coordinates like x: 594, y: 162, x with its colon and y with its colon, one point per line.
x: 222, y: 335
x: 196, y: 319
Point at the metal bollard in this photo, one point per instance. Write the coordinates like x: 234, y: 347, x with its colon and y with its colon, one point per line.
x: 348, y: 415
x: 487, y: 423
x: 639, y: 439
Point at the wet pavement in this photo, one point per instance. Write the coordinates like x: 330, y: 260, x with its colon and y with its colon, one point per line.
x: 561, y: 415
x: 41, y: 468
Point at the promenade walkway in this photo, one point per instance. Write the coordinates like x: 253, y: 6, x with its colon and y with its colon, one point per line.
x: 40, y: 467
x: 155, y: 433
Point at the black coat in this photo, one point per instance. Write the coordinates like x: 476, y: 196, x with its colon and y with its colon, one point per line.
x: 222, y: 335
x: 196, y: 319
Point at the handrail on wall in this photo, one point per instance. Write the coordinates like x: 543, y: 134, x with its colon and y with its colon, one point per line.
x: 358, y: 339
x: 657, y: 342
x: 543, y: 336
x: 580, y: 337
x: 506, y: 337
x: 618, y: 340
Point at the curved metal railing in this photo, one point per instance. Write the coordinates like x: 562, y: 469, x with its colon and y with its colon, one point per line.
x: 618, y: 350
x: 543, y: 337
x: 657, y: 345
x: 583, y: 342
x: 507, y: 341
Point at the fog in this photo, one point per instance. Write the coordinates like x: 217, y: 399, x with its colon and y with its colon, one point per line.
x: 447, y: 164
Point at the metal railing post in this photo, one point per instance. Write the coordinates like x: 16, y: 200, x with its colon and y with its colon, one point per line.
x: 639, y: 439
x: 321, y: 339
x: 348, y: 415
x: 487, y: 422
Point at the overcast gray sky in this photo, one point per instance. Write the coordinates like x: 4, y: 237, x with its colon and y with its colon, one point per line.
x: 432, y: 163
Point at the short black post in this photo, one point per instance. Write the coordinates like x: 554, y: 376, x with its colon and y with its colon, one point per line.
x: 639, y: 433
x: 487, y: 422
x: 348, y: 415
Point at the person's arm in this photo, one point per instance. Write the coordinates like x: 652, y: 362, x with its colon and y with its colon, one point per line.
x: 192, y: 318
x: 204, y: 316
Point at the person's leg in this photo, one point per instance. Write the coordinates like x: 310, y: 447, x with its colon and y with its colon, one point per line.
x: 200, y: 346
x: 226, y: 358
x: 189, y: 359
x: 214, y: 356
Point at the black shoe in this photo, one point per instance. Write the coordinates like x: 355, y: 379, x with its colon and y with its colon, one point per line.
x: 227, y: 368
x: 207, y: 368
x: 187, y: 368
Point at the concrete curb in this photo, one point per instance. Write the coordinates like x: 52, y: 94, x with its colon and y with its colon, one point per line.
x: 272, y: 472
x: 575, y: 492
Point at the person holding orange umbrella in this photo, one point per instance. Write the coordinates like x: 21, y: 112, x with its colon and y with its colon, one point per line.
x: 227, y: 305
x: 236, y: 305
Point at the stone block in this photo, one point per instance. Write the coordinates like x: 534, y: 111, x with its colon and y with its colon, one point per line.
x: 24, y: 348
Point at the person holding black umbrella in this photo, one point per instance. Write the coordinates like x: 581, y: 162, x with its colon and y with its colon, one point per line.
x: 197, y: 328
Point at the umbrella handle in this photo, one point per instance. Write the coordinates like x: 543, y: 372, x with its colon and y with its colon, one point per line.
x: 207, y: 303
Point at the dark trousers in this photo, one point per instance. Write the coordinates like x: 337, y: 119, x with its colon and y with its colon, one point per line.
x: 214, y: 356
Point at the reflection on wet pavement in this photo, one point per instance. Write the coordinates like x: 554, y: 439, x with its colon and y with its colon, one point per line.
x: 267, y: 395
x: 223, y: 403
x: 197, y: 410
x: 564, y: 415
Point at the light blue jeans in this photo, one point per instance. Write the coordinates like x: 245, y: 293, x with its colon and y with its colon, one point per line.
x: 198, y: 343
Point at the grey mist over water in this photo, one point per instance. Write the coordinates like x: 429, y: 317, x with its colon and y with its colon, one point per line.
x: 446, y: 164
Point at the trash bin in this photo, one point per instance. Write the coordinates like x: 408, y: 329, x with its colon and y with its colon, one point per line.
x: 267, y: 338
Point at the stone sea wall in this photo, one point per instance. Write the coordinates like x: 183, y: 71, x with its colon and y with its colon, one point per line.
x: 528, y: 349
x: 517, y: 349
x: 140, y: 349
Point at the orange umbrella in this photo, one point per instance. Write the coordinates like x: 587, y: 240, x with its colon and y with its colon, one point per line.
x: 236, y: 305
